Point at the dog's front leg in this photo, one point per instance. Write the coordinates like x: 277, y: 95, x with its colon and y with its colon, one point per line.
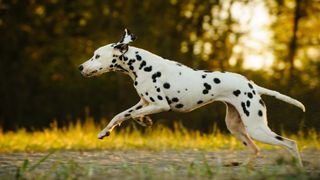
x: 119, y: 118
x: 144, y: 121
x: 138, y: 112
x: 150, y: 109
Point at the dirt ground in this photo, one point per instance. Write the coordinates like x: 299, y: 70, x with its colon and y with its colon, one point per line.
x: 134, y: 164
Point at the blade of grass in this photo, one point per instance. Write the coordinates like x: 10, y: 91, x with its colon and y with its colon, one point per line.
x: 40, y: 161
x: 22, y: 169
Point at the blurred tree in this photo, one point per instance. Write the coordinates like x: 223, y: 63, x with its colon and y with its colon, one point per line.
x: 295, y: 35
x: 297, y: 47
x: 43, y: 42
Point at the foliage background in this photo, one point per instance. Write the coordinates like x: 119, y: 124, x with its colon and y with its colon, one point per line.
x: 43, y: 42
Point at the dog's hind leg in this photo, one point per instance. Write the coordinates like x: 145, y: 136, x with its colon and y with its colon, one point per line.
x: 264, y: 134
x: 257, y: 128
x: 236, y: 127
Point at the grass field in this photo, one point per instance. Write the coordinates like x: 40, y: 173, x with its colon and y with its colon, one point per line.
x: 156, y: 152
x: 83, y: 136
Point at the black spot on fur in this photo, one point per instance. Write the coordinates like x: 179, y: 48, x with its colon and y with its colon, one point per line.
x: 179, y: 106
x: 155, y: 76
x: 180, y: 73
x: 125, y: 58
x: 175, y: 99
x: 147, y: 93
x: 261, y: 102
x: 248, y: 103
x: 136, y: 52
x: 279, y: 138
x: 245, y: 109
x: 204, y: 76
x: 244, y: 143
x: 250, y: 95
x: 158, y: 89
x: 207, y: 86
x: 126, y: 115
x: 114, y: 60
x: 260, y: 113
x: 250, y: 86
x: 216, y: 80
x: 200, y: 102
x: 166, y: 85
x: 130, y: 110
x: 151, y: 99
x: 139, y: 107
x: 178, y: 64
x: 237, y: 93
x: 131, y: 61
x: 143, y: 63
x: 131, y: 68
x: 178, y: 91
x: 138, y: 57
x: 254, y: 92
x: 148, y: 69
x: 135, y: 83
x: 168, y: 100
x: 160, y: 97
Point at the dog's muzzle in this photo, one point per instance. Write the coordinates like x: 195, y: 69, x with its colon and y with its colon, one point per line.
x: 85, y: 73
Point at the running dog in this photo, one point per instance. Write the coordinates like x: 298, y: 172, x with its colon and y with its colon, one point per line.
x: 165, y: 85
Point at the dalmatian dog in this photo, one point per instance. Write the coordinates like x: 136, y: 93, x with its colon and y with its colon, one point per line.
x: 165, y: 85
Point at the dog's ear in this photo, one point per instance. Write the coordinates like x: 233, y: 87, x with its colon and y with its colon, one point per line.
x: 127, y: 37
x: 121, y: 48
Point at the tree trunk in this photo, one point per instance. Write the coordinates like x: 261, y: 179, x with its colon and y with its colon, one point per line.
x: 293, y: 42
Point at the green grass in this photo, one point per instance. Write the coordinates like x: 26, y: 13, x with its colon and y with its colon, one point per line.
x: 83, y: 137
x: 80, y: 137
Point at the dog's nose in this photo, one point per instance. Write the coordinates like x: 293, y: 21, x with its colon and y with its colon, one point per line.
x: 80, y: 68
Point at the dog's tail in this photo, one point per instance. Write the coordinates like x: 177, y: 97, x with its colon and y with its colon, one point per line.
x: 280, y: 96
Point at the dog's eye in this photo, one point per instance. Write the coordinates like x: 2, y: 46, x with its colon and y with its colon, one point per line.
x: 97, y: 56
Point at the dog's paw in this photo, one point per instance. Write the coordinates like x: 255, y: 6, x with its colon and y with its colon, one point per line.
x: 140, y: 122
x: 148, y: 121
x: 101, y: 135
x: 144, y: 121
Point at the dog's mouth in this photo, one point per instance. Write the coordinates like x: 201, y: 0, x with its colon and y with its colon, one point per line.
x: 90, y: 74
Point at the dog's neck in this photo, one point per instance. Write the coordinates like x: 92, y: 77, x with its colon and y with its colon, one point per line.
x: 124, y: 64
x: 134, y: 60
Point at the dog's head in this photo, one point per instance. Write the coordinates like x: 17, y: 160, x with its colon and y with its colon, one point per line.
x: 105, y: 57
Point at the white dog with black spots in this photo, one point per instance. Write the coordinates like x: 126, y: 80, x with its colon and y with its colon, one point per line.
x: 165, y: 85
